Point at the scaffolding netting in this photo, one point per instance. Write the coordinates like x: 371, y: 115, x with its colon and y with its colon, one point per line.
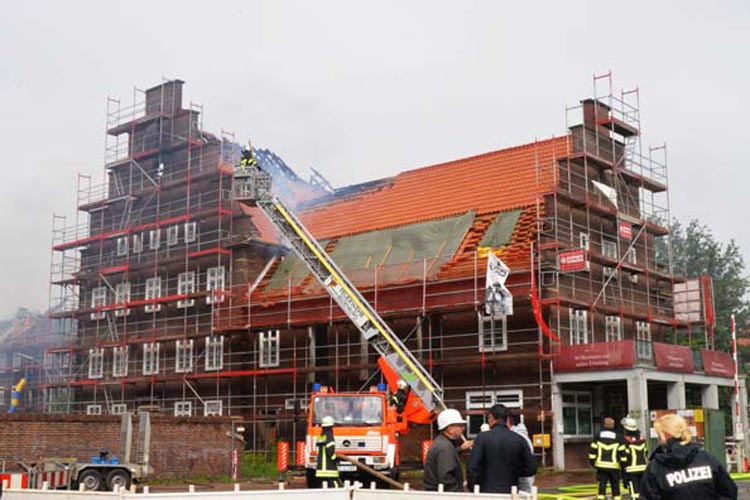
x: 500, y: 231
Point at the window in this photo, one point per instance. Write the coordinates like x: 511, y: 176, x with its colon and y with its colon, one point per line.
x: 118, y: 408
x: 613, y: 328
x: 120, y: 361
x: 191, y: 232
x: 632, y: 256
x: 609, y: 274
x: 493, y: 333
x: 577, y: 413
x: 609, y: 248
x: 185, y: 286
x: 212, y: 408
x: 151, y: 358
x: 183, y: 408
x: 184, y: 356
x: 2, y: 396
x: 153, y: 292
x: 483, y: 400
x: 154, y: 239
x: 173, y: 235
x: 122, y: 246
x: 93, y: 409
x: 584, y: 237
x: 269, y: 348
x: 122, y: 296
x: 138, y: 243
x: 214, y: 353
x: 96, y: 363
x: 98, y: 300
x: 643, y: 340
x: 578, y: 326
x: 215, y: 283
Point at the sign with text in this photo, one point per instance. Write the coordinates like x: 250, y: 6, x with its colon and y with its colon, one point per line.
x: 719, y: 364
x: 570, y: 261
x: 597, y: 356
x: 626, y: 230
x: 673, y: 358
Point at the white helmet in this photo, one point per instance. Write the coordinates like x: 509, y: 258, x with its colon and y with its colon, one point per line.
x: 401, y: 384
x: 629, y: 424
x: 449, y: 417
x: 484, y: 427
x: 327, y: 421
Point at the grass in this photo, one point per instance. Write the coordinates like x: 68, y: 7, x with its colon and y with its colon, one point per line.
x: 259, y: 465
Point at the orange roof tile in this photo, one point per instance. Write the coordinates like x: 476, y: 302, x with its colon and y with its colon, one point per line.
x: 488, y: 183
x: 266, y: 231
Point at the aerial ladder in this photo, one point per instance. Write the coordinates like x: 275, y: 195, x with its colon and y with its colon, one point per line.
x: 424, y: 397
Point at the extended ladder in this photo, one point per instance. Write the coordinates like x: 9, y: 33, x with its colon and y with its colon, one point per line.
x: 253, y: 185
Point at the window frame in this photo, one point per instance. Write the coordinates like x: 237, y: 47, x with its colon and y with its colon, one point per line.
x: 173, y: 235
x: 96, y: 363
x: 214, y: 359
x: 609, y: 248
x: 577, y: 318
x: 183, y: 408
x: 191, y: 231
x: 269, y: 348
x: 93, y: 409
x: 578, y: 406
x: 213, y: 408
x: 120, y: 359
x: 154, y: 239
x: 484, y: 322
x: 150, y: 362
x: 137, y: 243
x: 122, y: 246
x: 183, y: 359
x: 612, y: 328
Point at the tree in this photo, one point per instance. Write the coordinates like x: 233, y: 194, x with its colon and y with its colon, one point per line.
x: 695, y: 252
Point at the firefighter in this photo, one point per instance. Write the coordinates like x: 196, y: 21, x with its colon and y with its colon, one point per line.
x: 399, y: 399
x: 327, y: 470
x: 634, y: 457
x: 604, y: 455
x: 248, y: 160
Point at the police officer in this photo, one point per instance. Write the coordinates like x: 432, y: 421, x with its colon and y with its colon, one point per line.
x: 327, y: 470
x: 679, y: 470
x: 604, y: 455
x: 634, y: 456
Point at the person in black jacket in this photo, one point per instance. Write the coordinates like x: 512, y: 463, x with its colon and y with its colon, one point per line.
x: 679, y: 470
x: 604, y: 456
x: 633, y: 457
x: 499, y: 457
x: 443, y: 464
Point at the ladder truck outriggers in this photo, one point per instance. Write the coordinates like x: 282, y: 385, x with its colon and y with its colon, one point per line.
x: 367, y: 425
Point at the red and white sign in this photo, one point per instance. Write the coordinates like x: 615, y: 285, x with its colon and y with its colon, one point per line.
x: 300, y: 453
x: 15, y: 481
x: 719, y: 364
x: 426, y: 444
x: 282, y: 463
x: 673, y: 358
x: 596, y: 356
x: 572, y: 260
x: 626, y: 230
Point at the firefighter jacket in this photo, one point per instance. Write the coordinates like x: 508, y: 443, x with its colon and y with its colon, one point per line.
x: 684, y: 472
x: 606, y: 449
x: 634, y: 455
x: 326, y: 467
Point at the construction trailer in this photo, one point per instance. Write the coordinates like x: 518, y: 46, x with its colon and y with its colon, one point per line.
x: 173, y: 296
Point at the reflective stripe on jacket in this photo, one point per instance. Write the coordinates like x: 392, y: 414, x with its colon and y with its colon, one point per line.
x: 634, y: 457
x: 326, y: 467
x: 606, y: 450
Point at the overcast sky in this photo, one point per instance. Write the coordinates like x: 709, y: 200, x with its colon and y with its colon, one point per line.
x: 363, y: 90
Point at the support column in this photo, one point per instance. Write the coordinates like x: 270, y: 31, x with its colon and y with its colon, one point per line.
x: 710, y: 396
x: 638, y: 399
x: 676, y: 395
x: 558, y: 445
x: 744, y: 418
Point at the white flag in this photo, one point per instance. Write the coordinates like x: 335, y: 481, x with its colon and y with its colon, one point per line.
x: 498, y: 300
x: 607, y: 191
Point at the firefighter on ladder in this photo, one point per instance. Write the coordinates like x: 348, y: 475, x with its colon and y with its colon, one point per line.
x: 248, y: 161
x: 634, y: 457
x: 604, y: 455
x: 327, y: 470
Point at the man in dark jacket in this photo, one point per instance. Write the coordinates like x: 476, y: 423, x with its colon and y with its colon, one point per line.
x: 604, y: 455
x: 443, y: 464
x: 685, y: 472
x: 499, y: 457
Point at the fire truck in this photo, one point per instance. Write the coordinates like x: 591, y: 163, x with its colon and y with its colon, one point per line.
x: 367, y: 425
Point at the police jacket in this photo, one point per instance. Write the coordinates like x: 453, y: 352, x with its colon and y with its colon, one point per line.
x: 684, y: 472
x: 326, y: 446
x: 498, y: 458
x: 443, y: 466
x: 634, y: 454
x: 606, y: 449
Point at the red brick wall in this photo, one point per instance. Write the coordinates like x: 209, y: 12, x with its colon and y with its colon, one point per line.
x: 180, y: 447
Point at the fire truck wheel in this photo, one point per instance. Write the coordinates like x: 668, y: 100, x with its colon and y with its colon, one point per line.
x: 91, y: 480
x: 118, y: 477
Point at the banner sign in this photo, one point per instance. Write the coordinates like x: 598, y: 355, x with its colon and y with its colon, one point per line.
x: 597, y: 356
x: 625, y: 230
x: 674, y: 358
x: 498, y: 300
x: 572, y: 260
x: 719, y: 364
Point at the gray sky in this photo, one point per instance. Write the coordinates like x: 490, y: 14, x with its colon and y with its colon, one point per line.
x: 362, y: 90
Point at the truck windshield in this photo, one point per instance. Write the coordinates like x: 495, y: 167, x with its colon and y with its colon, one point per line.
x: 349, y: 410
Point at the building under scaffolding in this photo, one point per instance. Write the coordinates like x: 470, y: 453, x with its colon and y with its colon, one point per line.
x: 172, y: 296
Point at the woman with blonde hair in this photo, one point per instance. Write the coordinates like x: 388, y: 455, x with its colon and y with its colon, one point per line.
x: 679, y: 470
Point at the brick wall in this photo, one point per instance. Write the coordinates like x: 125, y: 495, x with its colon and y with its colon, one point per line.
x: 180, y: 447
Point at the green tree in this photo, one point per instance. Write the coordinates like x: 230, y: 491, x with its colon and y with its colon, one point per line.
x: 696, y: 252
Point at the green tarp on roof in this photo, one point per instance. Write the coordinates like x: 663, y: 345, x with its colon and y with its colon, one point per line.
x: 500, y: 231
